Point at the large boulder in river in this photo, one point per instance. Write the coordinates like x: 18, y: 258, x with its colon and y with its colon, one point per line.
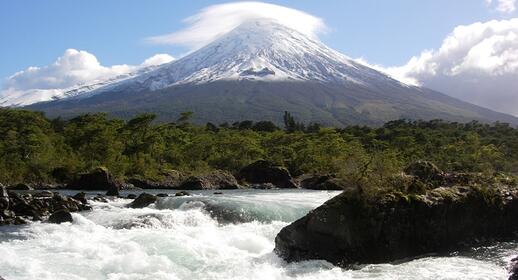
x: 143, y: 200
x: 361, y: 227
x: 218, y: 180
x: 97, y: 179
x: 61, y: 216
x: 321, y: 182
x: 262, y: 172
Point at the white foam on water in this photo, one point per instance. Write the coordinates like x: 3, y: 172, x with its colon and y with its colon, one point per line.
x: 181, y: 241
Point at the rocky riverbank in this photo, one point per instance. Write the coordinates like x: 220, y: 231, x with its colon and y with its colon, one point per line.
x: 429, y: 211
x: 48, y: 206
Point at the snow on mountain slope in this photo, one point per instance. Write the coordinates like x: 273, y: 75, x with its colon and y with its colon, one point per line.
x: 255, y: 50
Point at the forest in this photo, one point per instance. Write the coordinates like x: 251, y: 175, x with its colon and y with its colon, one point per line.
x: 34, y: 148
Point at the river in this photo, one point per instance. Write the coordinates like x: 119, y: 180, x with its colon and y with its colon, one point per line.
x: 177, y: 238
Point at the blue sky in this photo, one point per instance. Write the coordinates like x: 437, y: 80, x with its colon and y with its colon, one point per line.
x: 384, y: 32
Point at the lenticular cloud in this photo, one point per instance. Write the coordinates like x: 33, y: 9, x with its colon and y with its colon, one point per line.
x: 216, y: 20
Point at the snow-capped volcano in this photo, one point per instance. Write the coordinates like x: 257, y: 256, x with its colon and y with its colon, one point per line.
x: 261, y: 49
x: 260, y: 69
x: 255, y: 50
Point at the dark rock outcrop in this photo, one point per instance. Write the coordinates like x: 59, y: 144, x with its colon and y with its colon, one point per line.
x: 262, y: 172
x: 321, y: 182
x: 97, y: 179
x: 61, y: 216
x: 357, y: 227
x: 143, y: 200
x: 219, y: 180
x: 20, y: 208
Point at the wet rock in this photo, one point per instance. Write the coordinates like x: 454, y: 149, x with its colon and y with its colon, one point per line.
x: 97, y: 179
x: 100, y: 198
x: 321, y: 182
x: 162, y: 195
x: 218, y: 193
x: 182, y: 193
x: 143, y: 200
x: 61, y: 216
x: 131, y: 196
x: 80, y: 196
x: 262, y: 172
x: 219, y: 180
x: 355, y: 227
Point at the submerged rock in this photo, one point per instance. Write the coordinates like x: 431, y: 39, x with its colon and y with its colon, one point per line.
x: 182, y: 193
x: 143, y: 200
x: 262, y: 172
x: 355, y: 227
x: 321, y: 182
x: 61, y: 216
x: 219, y: 180
x: 226, y: 215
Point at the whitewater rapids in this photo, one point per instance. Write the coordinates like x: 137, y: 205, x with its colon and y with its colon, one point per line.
x: 179, y: 239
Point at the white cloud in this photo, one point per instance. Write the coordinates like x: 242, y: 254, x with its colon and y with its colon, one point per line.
x: 504, y: 6
x: 477, y: 63
x: 157, y: 59
x: 216, y: 20
x: 73, y: 68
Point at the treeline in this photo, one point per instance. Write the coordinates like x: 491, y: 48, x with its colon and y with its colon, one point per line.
x: 36, y: 149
